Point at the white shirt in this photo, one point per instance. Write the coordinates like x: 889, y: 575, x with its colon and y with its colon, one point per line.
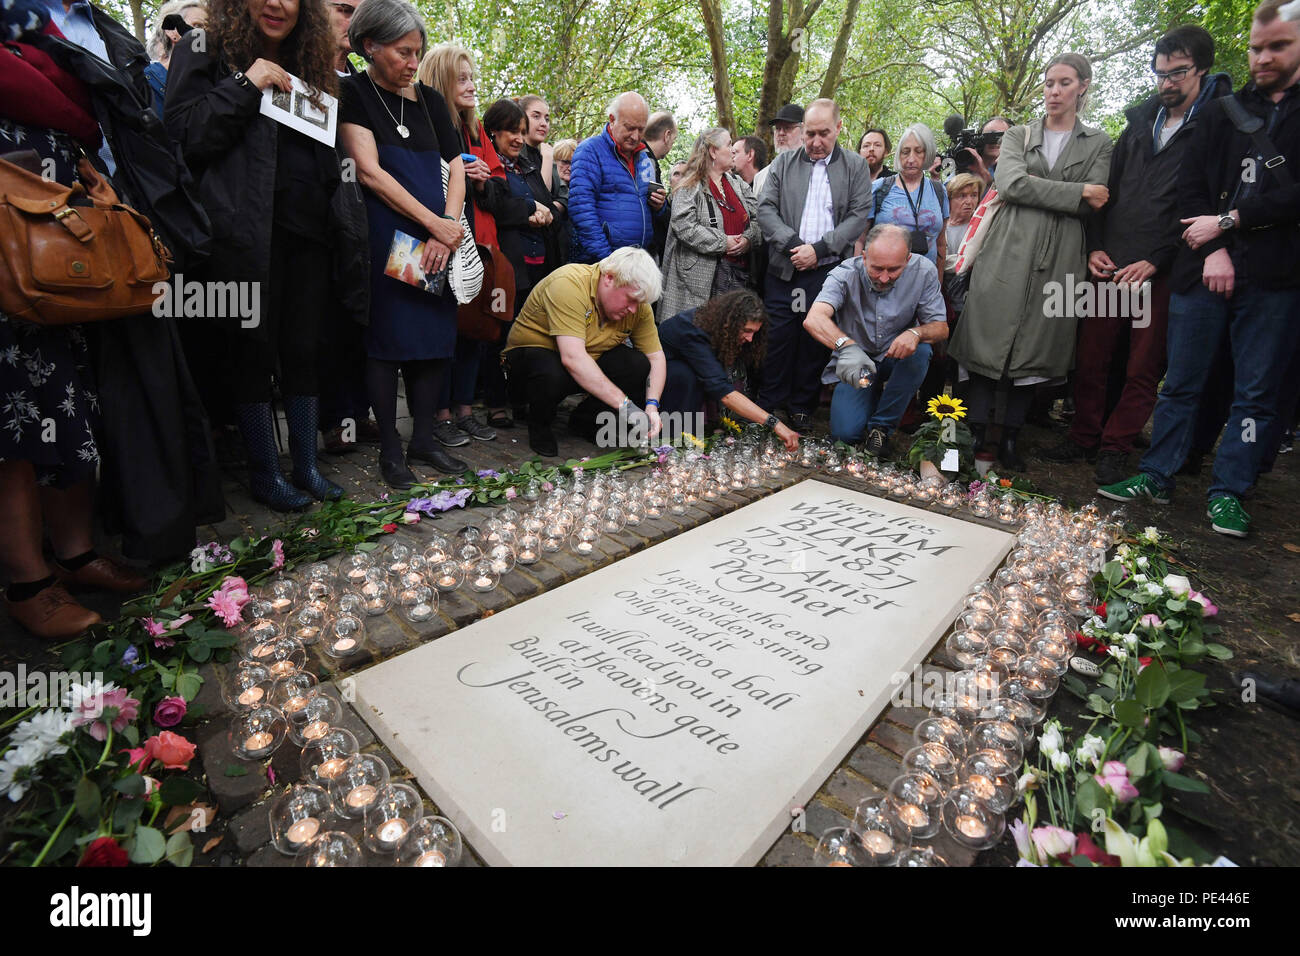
x: 1053, y: 143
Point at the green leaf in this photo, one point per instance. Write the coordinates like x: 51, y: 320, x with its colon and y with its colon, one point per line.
x: 180, y: 849
x: 87, y: 800
x: 1088, y: 797
x: 147, y: 846
x: 103, y: 653
x: 1177, y: 781
x: 1129, y: 713
x: 179, y: 791
x: 188, y: 684
x: 198, y: 651
x: 1099, y: 704
x: 1137, y: 763
x: 1152, y: 689
x: 126, y: 813
x: 1112, y: 573
x: 131, y: 735
x: 1185, y: 685
x: 235, y: 770
x: 1219, y: 652
x: 132, y: 786
x: 1080, y: 860
x: 1152, y: 810
x: 195, y: 629
x: 220, y: 639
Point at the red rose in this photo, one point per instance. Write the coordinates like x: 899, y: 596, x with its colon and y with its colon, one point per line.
x: 103, y: 852
x: 1092, y: 644
x: 389, y: 528
x: 1084, y: 846
x: 1100, y: 610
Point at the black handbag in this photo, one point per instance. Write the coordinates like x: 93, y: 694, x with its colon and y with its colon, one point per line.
x: 729, y: 274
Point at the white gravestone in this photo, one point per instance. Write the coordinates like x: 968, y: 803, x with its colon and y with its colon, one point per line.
x: 671, y: 708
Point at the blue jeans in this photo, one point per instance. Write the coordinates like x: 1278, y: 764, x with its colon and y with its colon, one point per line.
x: 1262, y: 327
x: 882, y: 403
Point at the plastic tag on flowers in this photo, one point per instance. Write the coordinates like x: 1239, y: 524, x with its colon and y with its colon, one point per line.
x: 950, y: 460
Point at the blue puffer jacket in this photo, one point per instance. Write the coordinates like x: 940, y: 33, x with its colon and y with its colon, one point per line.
x: 607, y: 207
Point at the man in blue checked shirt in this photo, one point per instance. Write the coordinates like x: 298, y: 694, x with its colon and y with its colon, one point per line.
x: 878, y: 312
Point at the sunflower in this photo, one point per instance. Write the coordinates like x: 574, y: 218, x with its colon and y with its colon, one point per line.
x: 945, y: 406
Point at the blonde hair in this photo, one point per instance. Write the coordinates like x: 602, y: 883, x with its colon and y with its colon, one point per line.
x: 1082, y: 67
x: 564, y: 150
x: 631, y: 266
x: 697, y: 164
x: 440, y: 69
x: 962, y: 182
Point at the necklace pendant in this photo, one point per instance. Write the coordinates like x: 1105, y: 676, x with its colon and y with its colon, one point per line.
x: 402, y: 131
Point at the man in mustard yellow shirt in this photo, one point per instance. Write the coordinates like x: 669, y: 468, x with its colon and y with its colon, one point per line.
x: 570, y: 337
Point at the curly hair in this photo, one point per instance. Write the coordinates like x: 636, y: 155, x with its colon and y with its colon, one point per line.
x: 724, y: 316
x: 309, y: 52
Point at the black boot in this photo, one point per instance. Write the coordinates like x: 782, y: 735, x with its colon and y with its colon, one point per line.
x: 265, y: 479
x: 436, y: 457
x: 1007, y: 453
x: 303, y: 412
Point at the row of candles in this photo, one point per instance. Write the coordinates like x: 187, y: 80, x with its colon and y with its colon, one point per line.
x: 1013, y: 639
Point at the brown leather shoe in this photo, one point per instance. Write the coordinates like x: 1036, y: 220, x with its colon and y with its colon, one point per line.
x: 105, y: 575
x: 53, y: 614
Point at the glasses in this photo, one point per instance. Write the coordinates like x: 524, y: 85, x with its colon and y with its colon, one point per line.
x: 1173, y: 76
x: 346, y: 9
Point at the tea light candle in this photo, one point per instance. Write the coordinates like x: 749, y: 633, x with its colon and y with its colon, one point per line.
x: 356, y: 575
x: 584, y: 547
x: 317, y: 728
x: 258, y: 741
x: 263, y: 650
x: 482, y: 582
x: 912, y: 815
x: 281, y: 604
x: 344, y: 644
x: 307, y: 634
x: 877, y: 842
x: 283, y: 668
x: 362, y: 795
x: 393, y: 830
x: 331, y: 768
x: 431, y: 858
x: 446, y: 581
x: 982, y: 786
x: 527, y: 554
x: 251, y: 696
x: 303, y: 830
x: 972, y: 826
x: 295, y: 704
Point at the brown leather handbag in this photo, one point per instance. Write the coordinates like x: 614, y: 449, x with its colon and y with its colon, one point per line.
x: 63, y: 264
x: 483, y: 318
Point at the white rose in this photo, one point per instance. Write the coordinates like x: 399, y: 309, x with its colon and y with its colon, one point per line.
x: 1140, y: 579
x: 1151, y: 534
x: 1142, y: 561
x: 1060, y: 761
x: 1177, y: 584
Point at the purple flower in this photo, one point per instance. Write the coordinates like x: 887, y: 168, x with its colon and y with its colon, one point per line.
x: 442, y: 501
x: 420, y: 504
x: 488, y: 473
x: 131, y: 659
x: 975, y: 488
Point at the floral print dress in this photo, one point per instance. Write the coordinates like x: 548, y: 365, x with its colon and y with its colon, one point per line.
x: 48, y: 404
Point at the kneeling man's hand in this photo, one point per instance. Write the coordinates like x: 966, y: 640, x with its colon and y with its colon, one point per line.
x: 852, y: 363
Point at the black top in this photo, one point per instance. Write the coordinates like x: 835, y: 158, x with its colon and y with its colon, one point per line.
x: 301, y: 199
x: 362, y: 103
x: 684, y: 341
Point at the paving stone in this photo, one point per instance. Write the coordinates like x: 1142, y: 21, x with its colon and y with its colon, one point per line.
x: 877, y: 765
x: 498, y: 599
x: 251, y: 828
x: 911, y: 716
x: 231, y: 793
x: 209, y: 702
x: 519, y: 586
x: 546, y: 574
x: 269, y: 856
x: 790, y: 850
x: 953, y: 852
x: 459, y: 608
x: 386, y: 635
x: 891, y: 737
x: 570, y: 565
x: 428, y: 630
x: 818, y: 818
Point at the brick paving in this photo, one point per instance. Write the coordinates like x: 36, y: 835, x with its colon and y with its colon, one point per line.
x: 244, y: 799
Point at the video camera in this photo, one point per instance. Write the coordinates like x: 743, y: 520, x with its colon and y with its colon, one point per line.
x: 965, y: 137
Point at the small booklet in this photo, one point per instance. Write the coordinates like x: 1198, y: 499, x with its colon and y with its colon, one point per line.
x: 404, y: 264
x: 296, y: 110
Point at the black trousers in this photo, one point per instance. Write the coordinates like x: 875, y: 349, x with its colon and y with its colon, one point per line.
x: 792, y: 371
x: 537, y: 378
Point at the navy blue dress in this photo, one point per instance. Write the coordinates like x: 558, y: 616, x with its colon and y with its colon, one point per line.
x: 406, y: 323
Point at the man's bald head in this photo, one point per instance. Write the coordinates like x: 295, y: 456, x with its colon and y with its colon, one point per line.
x: 821, y: 127
x: 886, y: 254
x: 628, y: 115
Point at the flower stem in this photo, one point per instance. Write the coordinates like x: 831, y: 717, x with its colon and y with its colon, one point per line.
x: 54, y: 836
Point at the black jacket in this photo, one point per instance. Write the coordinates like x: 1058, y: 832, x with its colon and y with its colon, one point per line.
x: 231, y: 149
x: 1266, y: 248
x: 512, y: 223
x: 1141, y: 219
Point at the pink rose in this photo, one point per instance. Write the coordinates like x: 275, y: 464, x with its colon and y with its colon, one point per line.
x: 169, y: 711
x: 1114, y: 768
x: 511, y: 494
x: 1114, y: 777
x: 1053, y: 842
x: 277, y: 553
x: 173, y: 750
x: 1208, y: 608
x: 138, y: 758
x: 180, y: 622
x: 410, y: 517
x: 1171, y: 758
x: 94, y: 709
x: 1153, y: 621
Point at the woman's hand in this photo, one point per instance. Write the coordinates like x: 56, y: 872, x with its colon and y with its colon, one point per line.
x: 541, y: 216
x: 446, y: 232
x: 1100, y: 265
x: 435, y: 256
x: 1096, y: 196
x: 737, y: 245
x: 477, y: 171
x: 264, y: 74
x: 787, y: 435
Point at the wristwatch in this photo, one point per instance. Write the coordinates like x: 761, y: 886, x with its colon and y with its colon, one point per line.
x: 772, y: 422
x: 840, y: 341
x: 1226, y: 222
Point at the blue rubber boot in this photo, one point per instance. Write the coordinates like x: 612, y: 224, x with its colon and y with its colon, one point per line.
x: 303, y: 414
x: 265, y: 479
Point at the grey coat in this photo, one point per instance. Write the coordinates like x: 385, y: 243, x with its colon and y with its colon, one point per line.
x: 1037, y: 238
x: 695, y: 244
x: 780, y: 207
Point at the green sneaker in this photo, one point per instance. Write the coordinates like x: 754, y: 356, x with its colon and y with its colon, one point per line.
x: 1131, y: 489
x: 1227, y: 517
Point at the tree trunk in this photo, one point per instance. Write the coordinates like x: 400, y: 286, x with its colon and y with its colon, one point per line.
x: 836, y: 64
x: 137, y: 18
x: 712, y: 11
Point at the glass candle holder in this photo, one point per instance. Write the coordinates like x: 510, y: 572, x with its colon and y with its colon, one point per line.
x: 1038, y: 678
x: 654, y: 505
x: 283, y: 594
x: 377, y: 597
x: 432, y: 841
x: 437, y: 550
x: 334, y: 848
x: 353, y: 568
x: 319, y: 589
x: 287, y: 657
x: 502, y: 557
x: 583, y: 540
x: 554, y: 540
x: 842, y: 846
x: 322, y: 758
x: 418, y: 604
x: 390, y: 817
x: 470, y: 534
x: 250, y: 687
x: 290, y: 693
x: 991, y: 777
x: 966, y: 648
x: 1000, y: 735
x: 317, y: 571
x: 257, y: 733
x: 308, y: 623
x: 357, y: 786
x: 973, y: 620
x: 914, y: 799
x: 970, y: 820
x: 528, y: 548
x: 448, y: 576
x: 882, y: 835
x: 483, y: 576
x: 612, y: 519
x: 934, y: 759
x: 1053, y: 655
x: 952, y: 497
x: 982, y: 505
x: 470, y: 553
x: 677, y: 503
x: 919, y: 856
x: 257, y: 643
x: 510, y: 518
x: 315, y: 718
x: 941, y: 730
x: 298, y: 817
x: 345, y: 635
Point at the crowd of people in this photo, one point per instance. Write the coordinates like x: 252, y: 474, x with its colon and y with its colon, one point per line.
x: 735, y: 284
